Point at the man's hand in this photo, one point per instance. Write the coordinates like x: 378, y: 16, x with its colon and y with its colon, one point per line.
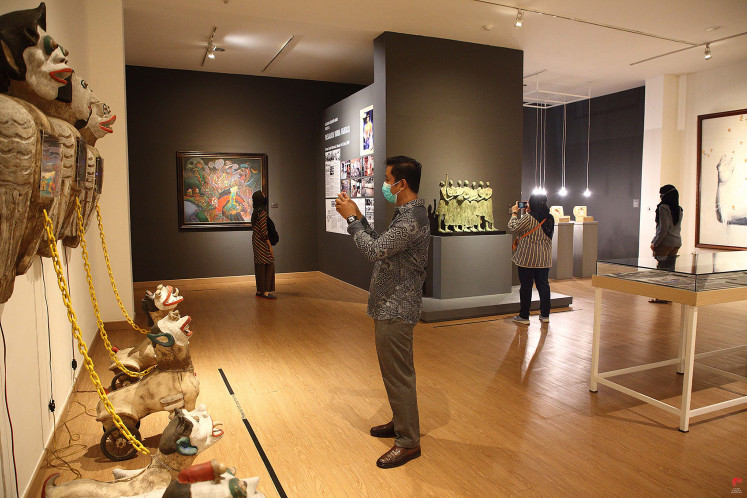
x: 515, y: 208
x: 346, y: 207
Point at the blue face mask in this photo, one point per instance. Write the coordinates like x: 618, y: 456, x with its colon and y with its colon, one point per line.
x: 387, y: 190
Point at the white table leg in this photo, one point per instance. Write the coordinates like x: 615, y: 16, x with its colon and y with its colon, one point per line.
x: 683, y: 338
x: 691, y: 319
x: 595, y: 341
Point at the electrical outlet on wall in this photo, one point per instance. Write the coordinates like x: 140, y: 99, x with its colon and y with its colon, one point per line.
x: 636, y: 203
x: 273, y: 204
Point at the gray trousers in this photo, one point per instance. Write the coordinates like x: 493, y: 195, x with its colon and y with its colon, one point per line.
x: 394, y: 349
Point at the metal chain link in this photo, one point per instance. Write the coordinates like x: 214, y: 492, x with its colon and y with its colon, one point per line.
x: 94, y: 302
x: 81, y: 343
x: 111, y: 275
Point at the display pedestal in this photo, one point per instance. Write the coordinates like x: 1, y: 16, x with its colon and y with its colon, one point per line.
x: 585, y: 238
x: 478, y: 265
x: 562, y: 251
x: 469, y: 277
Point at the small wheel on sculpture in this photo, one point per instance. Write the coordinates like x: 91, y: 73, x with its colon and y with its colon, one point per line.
x: 122, y: 380
x: 115, y: 446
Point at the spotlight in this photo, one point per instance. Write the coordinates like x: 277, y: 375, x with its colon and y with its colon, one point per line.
x: 536, y: 190
x: 562, y: 191
x: 519, y: 18
x: 708, y: 51
x: 211, y: 51
x: 587, y: 192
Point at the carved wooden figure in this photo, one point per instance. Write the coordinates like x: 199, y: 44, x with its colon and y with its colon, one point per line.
x: 68, y: 135
x: 142, y: 356
x: 188, y: 434
x: 171, y: 385
x: 21, y: 152
x: 30, y: 55
x: 34, y: 229
x: 87, y: 197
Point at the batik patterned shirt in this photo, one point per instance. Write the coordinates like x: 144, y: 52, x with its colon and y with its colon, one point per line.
x: 401, y: 255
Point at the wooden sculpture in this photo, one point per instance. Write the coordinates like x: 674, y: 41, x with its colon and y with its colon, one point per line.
x: 86, y: 195
x: 30, y: 55
x: 142, y: 356
x: 39, y: 199
x: 173, y: 384
x: 187, y: 435
x: 63, y: 202
x: 21, y: 152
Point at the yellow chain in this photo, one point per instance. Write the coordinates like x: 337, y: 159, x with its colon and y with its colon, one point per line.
x: 111, y: 275
x: 81, y: 343
x: 94, y: 302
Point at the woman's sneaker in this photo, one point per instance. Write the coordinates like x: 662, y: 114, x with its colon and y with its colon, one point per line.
x: 523, y: 321
x: 544, y: 319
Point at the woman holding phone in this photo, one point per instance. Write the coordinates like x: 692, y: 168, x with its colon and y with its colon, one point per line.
x: 533, y: 254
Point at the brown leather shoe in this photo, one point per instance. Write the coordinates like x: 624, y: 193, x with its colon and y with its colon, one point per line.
x: 397, y: 456
x: 386, y: 430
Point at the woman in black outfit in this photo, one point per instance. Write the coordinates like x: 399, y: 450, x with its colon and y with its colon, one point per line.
x: 667, y: 240
x: 264, y: 257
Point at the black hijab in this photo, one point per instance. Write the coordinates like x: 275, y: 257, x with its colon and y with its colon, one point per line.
x: 539, y: 211
x: 259, y: 202
x: 671, y: 198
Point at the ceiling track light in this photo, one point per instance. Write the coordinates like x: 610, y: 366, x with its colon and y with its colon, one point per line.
x: 519, y: 18
x: 708, y: 51
x: 211, y: 48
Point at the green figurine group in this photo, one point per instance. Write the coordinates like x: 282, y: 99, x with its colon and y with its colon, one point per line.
x: 465, y: 207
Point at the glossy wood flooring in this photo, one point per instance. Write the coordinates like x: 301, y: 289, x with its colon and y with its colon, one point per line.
x: 505, y: 410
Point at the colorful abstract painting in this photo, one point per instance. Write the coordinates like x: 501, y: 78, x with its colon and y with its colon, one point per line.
x: 215, y: 189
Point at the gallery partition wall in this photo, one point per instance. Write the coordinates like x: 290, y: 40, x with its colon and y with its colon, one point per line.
x: 453, y: 106
x: 170, y: 111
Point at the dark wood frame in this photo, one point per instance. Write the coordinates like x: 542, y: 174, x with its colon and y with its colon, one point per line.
x: 697, y: 193
x: 182, y: 156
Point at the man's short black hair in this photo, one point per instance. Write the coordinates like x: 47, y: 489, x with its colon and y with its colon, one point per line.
x: 406, y: 168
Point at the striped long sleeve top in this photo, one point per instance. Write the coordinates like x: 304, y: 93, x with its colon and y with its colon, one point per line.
x: 534, y: 250
x: 259, y: 240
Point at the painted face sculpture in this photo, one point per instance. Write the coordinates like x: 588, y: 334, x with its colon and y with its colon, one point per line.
x: 46, y: 66
x: 30, y: 54
x: 89, y: 111
x: 173, y: 329
x: 205, y: 432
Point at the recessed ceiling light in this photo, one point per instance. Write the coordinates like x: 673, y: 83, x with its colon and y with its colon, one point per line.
x: 713, y: 28
x: 488, y: 27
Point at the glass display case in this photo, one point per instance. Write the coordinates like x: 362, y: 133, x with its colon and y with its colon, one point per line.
x: 691, y: 280
x: 692, y: 272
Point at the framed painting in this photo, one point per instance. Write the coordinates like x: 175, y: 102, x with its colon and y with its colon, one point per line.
x: 214, y: 190
x: 721, y: 202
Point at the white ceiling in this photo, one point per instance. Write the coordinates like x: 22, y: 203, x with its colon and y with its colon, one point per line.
x: 333, y: 39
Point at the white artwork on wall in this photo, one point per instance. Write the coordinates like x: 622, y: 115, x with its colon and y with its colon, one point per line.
x: 722, y: 171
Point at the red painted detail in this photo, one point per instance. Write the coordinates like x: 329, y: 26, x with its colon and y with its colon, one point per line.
x: 66, y: 71
x: 196, y: 473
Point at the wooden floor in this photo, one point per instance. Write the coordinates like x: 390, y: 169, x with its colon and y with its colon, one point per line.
x: 505, y: 410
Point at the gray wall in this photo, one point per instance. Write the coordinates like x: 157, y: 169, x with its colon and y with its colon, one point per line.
x: 615, y: 158
x: 171, y: 110
x: 453, y: 106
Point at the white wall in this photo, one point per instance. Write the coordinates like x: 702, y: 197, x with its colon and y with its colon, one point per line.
x: 672, y: 109
x: 92, y: 31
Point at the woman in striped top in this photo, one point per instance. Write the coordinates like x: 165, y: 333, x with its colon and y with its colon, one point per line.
x: 533, y: 255
x: 264, y: 257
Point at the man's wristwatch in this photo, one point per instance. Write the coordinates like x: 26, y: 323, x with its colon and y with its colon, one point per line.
x: 351, y: 219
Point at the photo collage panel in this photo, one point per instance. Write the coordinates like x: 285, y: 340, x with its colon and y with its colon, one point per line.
x: 356, y: 177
